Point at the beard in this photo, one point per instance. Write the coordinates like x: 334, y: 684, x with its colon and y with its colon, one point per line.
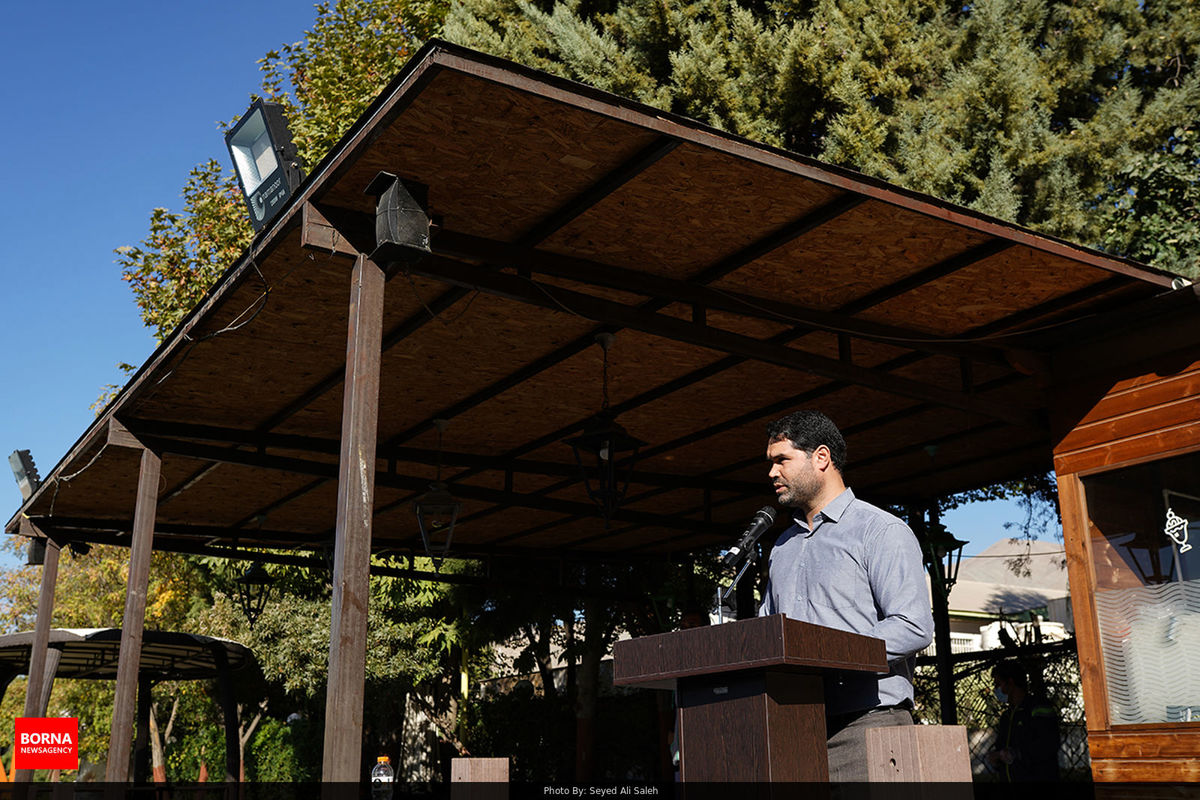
x: 800, y: 491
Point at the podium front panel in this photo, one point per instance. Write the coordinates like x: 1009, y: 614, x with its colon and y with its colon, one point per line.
x: 752, y: 727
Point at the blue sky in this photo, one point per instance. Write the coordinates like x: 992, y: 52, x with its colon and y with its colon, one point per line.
x: 108, y: 106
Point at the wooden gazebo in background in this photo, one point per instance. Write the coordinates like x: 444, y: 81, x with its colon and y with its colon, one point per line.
x: 94, y: 654
x: 295, y: 408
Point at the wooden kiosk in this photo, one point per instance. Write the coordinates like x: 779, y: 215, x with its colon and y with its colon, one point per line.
x: 1127, y: 455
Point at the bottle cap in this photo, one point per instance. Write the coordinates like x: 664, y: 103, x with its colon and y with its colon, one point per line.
x: 383, y: 760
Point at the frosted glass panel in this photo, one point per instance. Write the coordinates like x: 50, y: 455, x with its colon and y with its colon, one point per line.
x: 1143, y: 523
x: 1151, y: 642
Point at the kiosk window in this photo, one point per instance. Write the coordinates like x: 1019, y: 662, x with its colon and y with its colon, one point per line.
x: 1144, y: 527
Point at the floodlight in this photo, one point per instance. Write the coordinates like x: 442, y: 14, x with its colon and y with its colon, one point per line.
x: 25, y: 472
x: 265, y: 160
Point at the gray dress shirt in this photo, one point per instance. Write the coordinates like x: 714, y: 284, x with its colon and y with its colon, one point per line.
x: 859, y: 569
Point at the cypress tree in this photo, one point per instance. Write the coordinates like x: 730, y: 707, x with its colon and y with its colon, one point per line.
x: 1029, y: 110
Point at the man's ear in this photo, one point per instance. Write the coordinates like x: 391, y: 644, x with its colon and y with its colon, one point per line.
x: 822, y: 458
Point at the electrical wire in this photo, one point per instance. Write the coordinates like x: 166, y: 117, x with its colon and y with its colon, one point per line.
x: 446, y: 323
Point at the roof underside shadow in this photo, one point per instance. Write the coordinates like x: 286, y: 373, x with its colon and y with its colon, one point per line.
x: 740, y: 282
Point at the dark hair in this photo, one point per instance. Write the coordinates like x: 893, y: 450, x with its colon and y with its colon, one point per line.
x: 808, y: 430
x: 1011, y: 670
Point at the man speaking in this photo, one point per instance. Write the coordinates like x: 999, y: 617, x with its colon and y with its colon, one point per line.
x: 848, y: 565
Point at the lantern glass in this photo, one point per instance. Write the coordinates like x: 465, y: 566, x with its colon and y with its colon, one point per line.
x: 605, y: 453
x: 254, y: 589
x: 437, y: 512
x: 944, y: 550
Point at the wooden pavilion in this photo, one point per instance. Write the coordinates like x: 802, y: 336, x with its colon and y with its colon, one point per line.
x: 295, y: 407
x: 94, y: 654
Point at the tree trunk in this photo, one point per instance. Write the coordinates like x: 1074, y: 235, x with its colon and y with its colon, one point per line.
x: 158, y: 769
x: 158, y: 762
x: 539, y: 645
x: 572, y: 678
x: 244, y: 736
x: 597, y: 623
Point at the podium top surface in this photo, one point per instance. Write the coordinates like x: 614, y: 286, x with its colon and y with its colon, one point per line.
x: 773, y: 642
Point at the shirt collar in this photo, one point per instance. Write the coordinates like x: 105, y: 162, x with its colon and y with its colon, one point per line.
x: 832, y: 511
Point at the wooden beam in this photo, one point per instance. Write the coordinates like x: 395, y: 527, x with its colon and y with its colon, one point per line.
x: 100, y: 531
x: 274, y: 505
x: 803, y: 224
x: 556, y: 298
x: 459, y: 246
x: 41, y: 641
x: 346, y: 233
x: 184, y: 434
x: 121, y: 436
x: 808, y: 222
x: 187, y: 483
x: 396, y: 335
x: 317, y: 232
x: 233, y: 455
x: 133, y: 621
x: 352, y: 541
x: 592, y: 195
x: 596, y: 101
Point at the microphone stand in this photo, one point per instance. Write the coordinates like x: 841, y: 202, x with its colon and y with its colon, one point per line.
x: 722, y: 596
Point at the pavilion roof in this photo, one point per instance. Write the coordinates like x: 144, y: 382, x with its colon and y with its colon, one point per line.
x: 92, y: 653
x: 741, y: 282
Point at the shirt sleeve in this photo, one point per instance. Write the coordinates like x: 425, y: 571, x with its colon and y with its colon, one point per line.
x: 897, y: 575
x: 767, y: 608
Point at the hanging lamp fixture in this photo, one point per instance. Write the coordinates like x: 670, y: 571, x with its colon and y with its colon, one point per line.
x: 437, y: 510
x: 253, y: 591
x: 605, y: 451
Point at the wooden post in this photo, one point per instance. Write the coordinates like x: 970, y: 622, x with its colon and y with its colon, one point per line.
x: 352, y: 543
x: 132, y: 623
x: 53, y: 657
x: 41, y: 642
x: 941, y: 632
x: 141, y: 744
x: 233, y: 750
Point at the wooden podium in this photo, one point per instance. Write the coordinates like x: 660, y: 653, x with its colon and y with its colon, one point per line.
x: 750, y: 694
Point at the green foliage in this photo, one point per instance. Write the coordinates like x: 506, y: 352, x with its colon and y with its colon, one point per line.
x: 324, y: 82
x: 185, y: 253
x: 1157, y: 200
x: 283, y: 753
x: 1023, y: 110
x: 535, y: 731
x: 1070, y: 118
x: 354, y: 48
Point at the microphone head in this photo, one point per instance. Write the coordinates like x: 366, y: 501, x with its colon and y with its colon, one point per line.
x: 768, y: 512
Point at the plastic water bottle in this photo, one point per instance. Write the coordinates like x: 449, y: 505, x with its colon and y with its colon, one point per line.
x: 382, y: 777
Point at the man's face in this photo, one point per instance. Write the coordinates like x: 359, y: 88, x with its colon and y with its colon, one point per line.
x: 797, y: 481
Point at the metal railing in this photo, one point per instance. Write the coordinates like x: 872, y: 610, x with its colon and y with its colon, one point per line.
x: 1053, y: 671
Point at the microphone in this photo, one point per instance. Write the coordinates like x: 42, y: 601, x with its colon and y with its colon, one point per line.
x: 763, y: 520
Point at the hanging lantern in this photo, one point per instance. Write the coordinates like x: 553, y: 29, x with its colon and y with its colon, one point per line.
x: 437, y: 510
x: 253, y: 590
x: 605, y: 451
